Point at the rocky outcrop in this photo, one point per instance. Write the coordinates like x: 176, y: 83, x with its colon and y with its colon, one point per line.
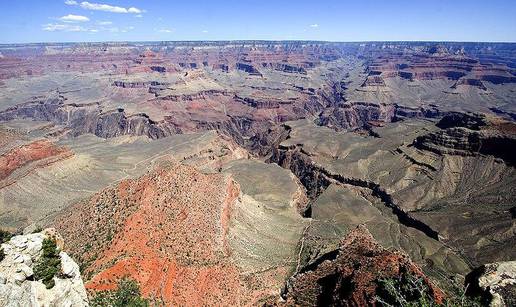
x: 356, y: 115
x: 467, y: 135
x: 495, y: 283
x: 458, y: 119
x: 469, y: 82
x: 140, y: 84
x: 374, y: 80
x: 352, y: 274
x: 18, y: 286
x: 284, y: 67
x: 353, y: 115
x: 160, y: 69
x: 201, y: 95
x: 259, y: 103
x: 497, y: 79
x: 89, y: 118
x: 248, y: 68
x: 430, y: 111
x: 125, y: 84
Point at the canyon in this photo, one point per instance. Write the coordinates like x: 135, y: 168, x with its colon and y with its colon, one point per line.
x: 266, y: 172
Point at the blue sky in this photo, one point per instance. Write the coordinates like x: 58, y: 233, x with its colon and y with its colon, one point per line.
x: 333, y: 20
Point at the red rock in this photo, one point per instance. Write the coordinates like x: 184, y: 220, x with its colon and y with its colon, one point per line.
x: 37, y: 151
x: 350, y: 275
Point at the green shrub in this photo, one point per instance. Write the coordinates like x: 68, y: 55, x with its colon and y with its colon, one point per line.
x: 49, y: 264
x: 406, y: 291
x: 5, y: 236
x: 126, y: 294
x: 411, y: 291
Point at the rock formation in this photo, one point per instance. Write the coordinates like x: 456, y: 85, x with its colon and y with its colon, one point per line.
x: 472, y: 135
x: 352, y: 274
x: 181, y: 234
x: 18, y: 286
x: 495, y: 282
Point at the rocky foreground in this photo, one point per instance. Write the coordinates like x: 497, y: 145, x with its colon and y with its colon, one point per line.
x: 19, y: 284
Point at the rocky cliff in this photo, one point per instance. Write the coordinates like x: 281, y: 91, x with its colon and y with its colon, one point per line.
x: 464, y: 134
x: 495, y: 282
x: 19, y: 267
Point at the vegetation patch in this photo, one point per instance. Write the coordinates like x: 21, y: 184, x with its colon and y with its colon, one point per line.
x: 126, y: 294
x: 49, y: 264
x: 5, y: 236
x: 412, y: 291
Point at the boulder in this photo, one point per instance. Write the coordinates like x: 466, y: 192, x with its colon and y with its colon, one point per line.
x: 495, y: 282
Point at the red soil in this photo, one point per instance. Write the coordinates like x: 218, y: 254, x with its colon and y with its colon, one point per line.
x: 167, y: 230
x: 32, y: 152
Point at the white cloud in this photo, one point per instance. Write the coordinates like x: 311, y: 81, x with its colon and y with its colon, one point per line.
x: 166, y: 30
x: 104, y: 23
x: 71, y: 2
x: 63, y: 27
x: 204, y: 31
x: 109, y: 8
x: 74, y: 18
x: 138, y: 16
x: 134, y: 10
x: 314, y: 25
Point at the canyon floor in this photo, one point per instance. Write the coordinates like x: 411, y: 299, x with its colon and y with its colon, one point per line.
x: 253, y: 173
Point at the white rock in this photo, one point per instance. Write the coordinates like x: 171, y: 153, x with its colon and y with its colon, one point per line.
x: 21, y: 253
x: 18, y: 258
x: 26, y: 270
x: 34, y: 247
x: 499, y: 278
x: 68, y: 266
x: 19, y: 277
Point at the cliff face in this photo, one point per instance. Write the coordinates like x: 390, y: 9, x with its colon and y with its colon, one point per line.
x: 18, y: 284
x: 90, y: 118
x: 469, y: 135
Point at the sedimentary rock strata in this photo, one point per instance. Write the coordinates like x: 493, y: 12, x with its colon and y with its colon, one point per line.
x: 220, y: 173
x: 41, y: 152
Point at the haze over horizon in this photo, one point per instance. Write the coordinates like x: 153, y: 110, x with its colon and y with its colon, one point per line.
x: 136, y: 20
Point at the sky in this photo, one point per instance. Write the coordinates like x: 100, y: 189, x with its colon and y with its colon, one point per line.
x: 25, y: 21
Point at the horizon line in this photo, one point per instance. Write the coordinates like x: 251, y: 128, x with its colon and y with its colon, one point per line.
x: 258, y: 40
